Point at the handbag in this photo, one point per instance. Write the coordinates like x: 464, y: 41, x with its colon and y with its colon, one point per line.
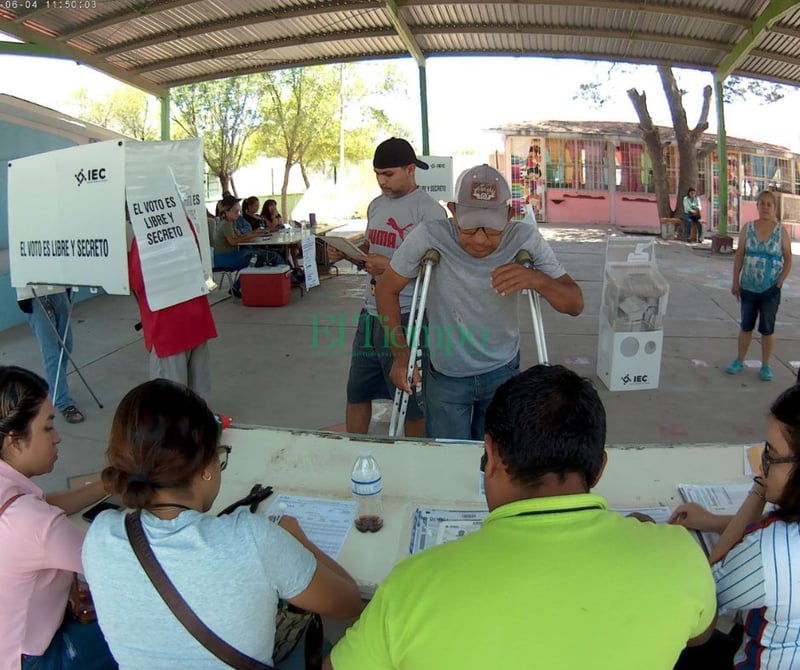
x: 79, y: 603
x: 287, y: 624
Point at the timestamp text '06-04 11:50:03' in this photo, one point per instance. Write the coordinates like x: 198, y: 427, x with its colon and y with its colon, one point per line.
x: 48, y: 4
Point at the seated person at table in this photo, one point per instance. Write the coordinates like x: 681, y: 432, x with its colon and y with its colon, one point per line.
x: 274, y: 223
x: 552, y: 579
x: 40, y: 549
x: 232, y: 231
x: 755, y: 560
x: 165, y: 462
x: 250, y: 213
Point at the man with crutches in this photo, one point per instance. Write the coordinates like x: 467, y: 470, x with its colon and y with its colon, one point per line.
x: 472, y: 301
x: 391, y: 216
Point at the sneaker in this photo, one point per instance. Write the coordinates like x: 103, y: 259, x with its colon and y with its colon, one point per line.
x: 766, y: 373
x: 735, y: 368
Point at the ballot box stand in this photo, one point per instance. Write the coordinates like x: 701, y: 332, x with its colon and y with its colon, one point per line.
x: 634, y: 302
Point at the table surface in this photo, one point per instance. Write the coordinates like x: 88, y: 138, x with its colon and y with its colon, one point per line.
x: 289, y: 236
x: 427, y: 474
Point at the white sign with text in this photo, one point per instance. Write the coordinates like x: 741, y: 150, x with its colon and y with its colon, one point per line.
x: 437, y: 180
x: 168, y: 248
x: 66, y: 218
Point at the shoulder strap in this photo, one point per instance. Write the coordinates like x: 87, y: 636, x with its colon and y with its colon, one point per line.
x: 8, y: 502
x: 179, y: 607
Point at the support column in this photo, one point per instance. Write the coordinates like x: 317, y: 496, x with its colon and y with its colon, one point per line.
x: 423, y: 103
x: 165, y: 105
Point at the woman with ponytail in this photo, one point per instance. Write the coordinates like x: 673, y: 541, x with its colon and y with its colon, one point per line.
x: 166, y: 463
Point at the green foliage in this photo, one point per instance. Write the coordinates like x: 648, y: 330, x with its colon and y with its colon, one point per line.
x: 126, y: 110
x: 224, y: 113
x: 736, y: 89
x: 307, y: 110
x: 592, y: 94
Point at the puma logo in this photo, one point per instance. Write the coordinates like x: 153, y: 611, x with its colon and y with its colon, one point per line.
x: 400, y: 231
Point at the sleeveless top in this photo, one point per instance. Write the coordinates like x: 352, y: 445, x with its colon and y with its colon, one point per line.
x: 763, y: 261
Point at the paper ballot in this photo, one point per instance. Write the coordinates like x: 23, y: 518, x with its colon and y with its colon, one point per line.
x: 345, y: 246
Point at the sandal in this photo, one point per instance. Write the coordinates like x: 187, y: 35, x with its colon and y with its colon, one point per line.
x: 72, y: 414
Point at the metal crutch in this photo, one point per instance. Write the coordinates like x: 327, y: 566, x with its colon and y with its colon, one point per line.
x: 62, y: 341
x: 415, y: 319
x: 525, y: 259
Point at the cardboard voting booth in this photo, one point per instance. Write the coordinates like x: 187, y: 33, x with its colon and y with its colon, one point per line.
x: 632, y: 313
x: 80, y: 237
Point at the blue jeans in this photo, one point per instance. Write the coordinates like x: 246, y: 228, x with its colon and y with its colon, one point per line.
x: 455, y: 407
x: 693, y: 222
x: 53, y: 308
x: 78, y: 646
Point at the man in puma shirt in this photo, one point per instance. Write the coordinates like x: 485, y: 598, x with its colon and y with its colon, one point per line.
x: 390, y: 217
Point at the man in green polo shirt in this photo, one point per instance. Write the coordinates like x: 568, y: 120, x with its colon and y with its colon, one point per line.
x: 552, y: 579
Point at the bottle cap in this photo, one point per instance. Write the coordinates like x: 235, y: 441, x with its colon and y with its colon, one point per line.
x: 364, y: 451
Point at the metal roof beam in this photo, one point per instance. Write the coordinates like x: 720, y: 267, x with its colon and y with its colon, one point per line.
x: 505, y: 29
x: 238, y: 21
x: 127, y: 14
x: 400, y: 25
x: 263, y: 45
x: 737, y: 19
x: 261, y: 67
x: 771, y: 13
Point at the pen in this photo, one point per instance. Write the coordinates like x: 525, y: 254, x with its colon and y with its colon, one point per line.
x: 281, y: 511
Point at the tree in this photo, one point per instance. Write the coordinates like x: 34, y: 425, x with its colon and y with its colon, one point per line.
x: 734, y: 88
x: 126, y: 110
x: 225, y: 113
x: 303, y: 111
x: 686, y: 139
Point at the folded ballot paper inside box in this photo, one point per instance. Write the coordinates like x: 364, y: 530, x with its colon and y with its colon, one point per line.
x: 266, y: 287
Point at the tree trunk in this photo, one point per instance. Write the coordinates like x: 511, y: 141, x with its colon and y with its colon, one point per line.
x: 655, y: 149
x: 687, y: 140
x: 303, y: 172
x: 285, y: 188
x: 224, y: 181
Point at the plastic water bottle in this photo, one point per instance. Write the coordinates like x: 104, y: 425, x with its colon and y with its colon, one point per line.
x: 366, y: 485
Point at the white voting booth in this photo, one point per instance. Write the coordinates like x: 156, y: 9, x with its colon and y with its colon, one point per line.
x: 83, y: 238
x: 632, y: 313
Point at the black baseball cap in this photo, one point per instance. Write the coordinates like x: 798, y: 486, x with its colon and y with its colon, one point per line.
x: 396, y: 152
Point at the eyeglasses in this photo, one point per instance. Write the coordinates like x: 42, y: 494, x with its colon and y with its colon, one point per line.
x: 224, y: 451
x: 491, y: 233
x: 767, y: 460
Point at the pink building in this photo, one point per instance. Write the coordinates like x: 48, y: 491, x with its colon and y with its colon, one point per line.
x: 563, y: 169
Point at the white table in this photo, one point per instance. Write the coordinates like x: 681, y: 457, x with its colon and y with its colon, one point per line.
x: 438, y: 475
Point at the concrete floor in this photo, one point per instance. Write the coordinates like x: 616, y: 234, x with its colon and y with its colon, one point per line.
x: 288, y: 366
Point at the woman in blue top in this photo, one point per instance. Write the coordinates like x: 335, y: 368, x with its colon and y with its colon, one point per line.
x: 763, y: 261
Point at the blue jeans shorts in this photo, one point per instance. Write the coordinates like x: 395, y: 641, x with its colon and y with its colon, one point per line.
x: 456, y: 406
x: 370, y: 364
x: 763, y: 305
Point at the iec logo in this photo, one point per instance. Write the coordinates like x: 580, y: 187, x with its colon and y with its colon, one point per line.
x: 90, y: 175
x: 636, y: 379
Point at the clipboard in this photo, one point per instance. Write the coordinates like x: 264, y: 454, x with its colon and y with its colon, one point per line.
x: 345, y: 246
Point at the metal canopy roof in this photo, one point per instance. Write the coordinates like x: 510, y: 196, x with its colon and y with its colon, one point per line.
x: 159, y: 44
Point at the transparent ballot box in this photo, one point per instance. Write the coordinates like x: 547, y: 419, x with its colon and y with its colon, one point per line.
x: 634, y: 302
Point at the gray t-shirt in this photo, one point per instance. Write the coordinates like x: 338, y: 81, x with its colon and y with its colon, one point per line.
x: 472, y: 329
x: 389, y: 221
x: 231, y: 570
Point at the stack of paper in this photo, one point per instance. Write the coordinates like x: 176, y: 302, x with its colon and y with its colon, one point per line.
x: 716, y: 498
x: 437, y: 526
x: 326, y: 522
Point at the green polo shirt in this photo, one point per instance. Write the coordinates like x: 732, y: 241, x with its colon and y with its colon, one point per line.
x: 558, y: 583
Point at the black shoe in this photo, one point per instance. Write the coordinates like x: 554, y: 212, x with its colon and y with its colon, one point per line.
x: 235, y: 292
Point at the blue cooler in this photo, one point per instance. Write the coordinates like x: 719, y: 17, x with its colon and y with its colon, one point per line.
x: 266, y: 287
